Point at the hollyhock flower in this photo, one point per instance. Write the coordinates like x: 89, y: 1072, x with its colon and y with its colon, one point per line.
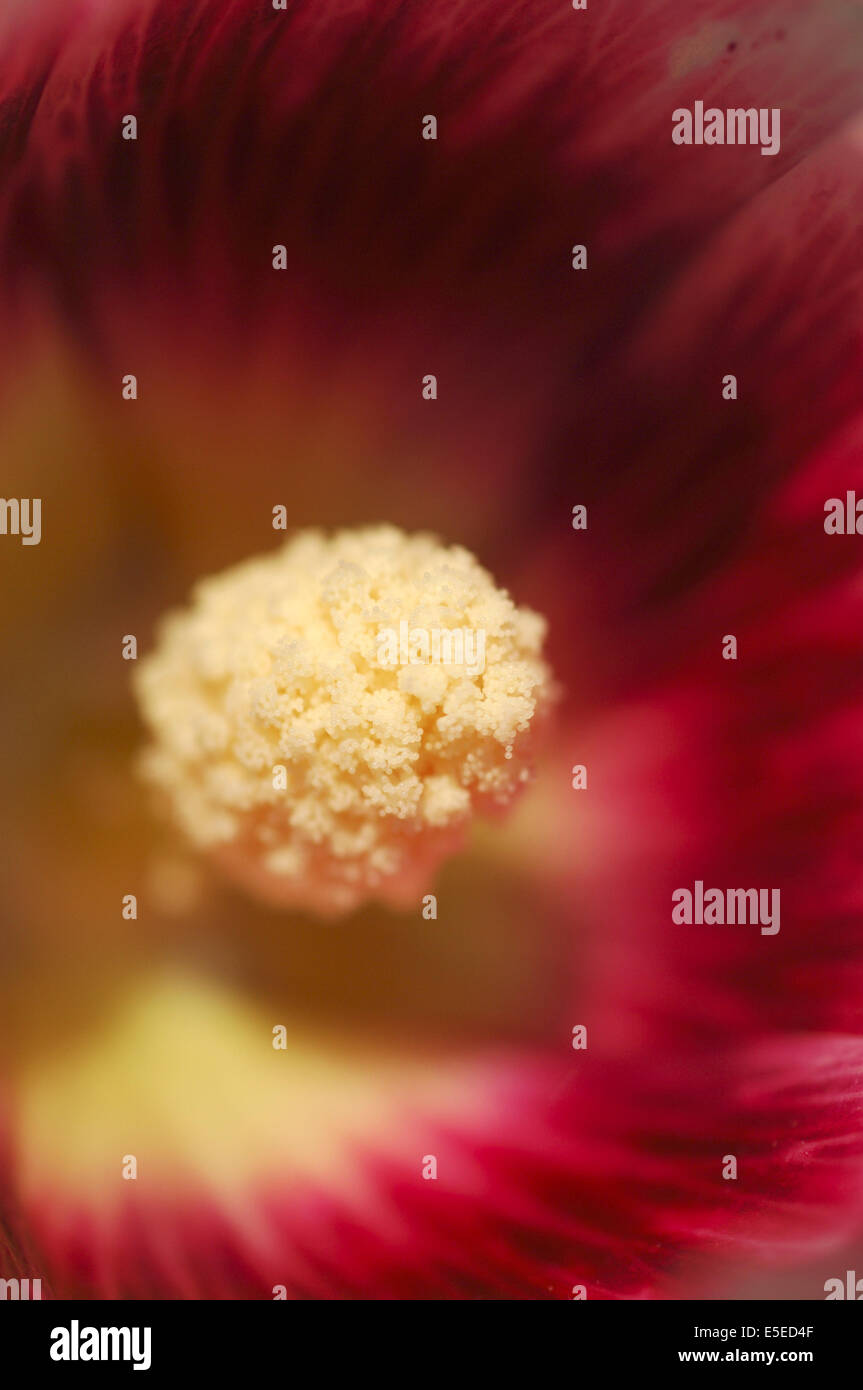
x: 538, y: 1092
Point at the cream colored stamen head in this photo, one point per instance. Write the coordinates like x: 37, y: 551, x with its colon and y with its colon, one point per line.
x: 327, y: 719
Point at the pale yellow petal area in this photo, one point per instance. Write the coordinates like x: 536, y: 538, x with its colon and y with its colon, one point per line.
x: 185, y: 1078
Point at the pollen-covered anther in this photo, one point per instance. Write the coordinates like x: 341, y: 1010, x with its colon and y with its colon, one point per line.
x: 327, y: 719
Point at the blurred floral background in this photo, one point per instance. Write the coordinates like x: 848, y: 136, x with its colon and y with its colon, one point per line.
x: 557, y: 1168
